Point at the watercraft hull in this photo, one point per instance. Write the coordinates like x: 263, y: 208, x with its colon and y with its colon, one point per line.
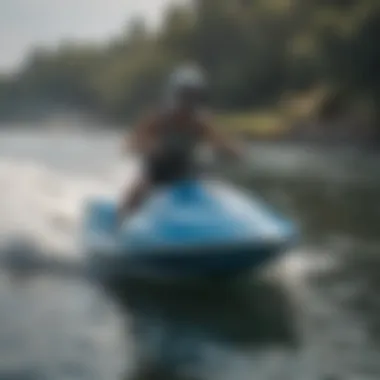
x: 188, y: 229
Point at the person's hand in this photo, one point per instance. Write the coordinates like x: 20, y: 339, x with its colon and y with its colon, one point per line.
x: 152, y: 147
x: 236, y: 151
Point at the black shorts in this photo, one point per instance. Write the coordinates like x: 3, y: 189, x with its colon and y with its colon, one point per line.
x: 163, y: 170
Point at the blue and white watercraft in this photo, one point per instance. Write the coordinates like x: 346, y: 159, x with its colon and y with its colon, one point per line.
x: 190, y: 228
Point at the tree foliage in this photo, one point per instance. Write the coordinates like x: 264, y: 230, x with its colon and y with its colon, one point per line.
x: 255, y: 51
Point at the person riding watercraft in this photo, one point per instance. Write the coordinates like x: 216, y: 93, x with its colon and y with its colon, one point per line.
x: 168, y: 138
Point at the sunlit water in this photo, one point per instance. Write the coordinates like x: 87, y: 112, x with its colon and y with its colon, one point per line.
x: 314, y: 315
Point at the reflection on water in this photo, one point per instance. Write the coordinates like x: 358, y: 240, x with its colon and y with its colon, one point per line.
x: 180, y: 329
x: 315, y: 315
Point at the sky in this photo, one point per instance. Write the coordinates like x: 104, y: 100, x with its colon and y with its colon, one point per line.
x: 25, y: 24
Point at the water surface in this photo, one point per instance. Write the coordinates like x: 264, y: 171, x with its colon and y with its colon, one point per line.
x: 314, y: 315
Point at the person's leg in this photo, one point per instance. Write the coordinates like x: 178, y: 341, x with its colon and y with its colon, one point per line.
x: 132, y: 199
x: 156, y: 173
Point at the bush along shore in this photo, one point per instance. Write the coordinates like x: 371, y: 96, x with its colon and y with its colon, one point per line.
x: 278, y: 69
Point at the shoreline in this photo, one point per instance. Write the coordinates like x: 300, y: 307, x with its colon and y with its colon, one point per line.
x: 293, y: 138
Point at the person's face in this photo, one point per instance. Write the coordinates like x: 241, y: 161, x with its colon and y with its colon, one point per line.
x: 190, y: 99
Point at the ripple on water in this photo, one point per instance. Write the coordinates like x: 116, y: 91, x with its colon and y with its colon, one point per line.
x: 56, y: 329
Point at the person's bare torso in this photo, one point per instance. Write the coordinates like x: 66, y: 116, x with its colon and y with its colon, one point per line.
x: 177, y: 135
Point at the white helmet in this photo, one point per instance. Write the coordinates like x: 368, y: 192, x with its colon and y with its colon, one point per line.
x: 185, y: 79
x: 189, y: 76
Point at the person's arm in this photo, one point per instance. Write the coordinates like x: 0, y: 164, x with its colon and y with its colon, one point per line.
x: 142, y: 138
x: 220, y: 141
